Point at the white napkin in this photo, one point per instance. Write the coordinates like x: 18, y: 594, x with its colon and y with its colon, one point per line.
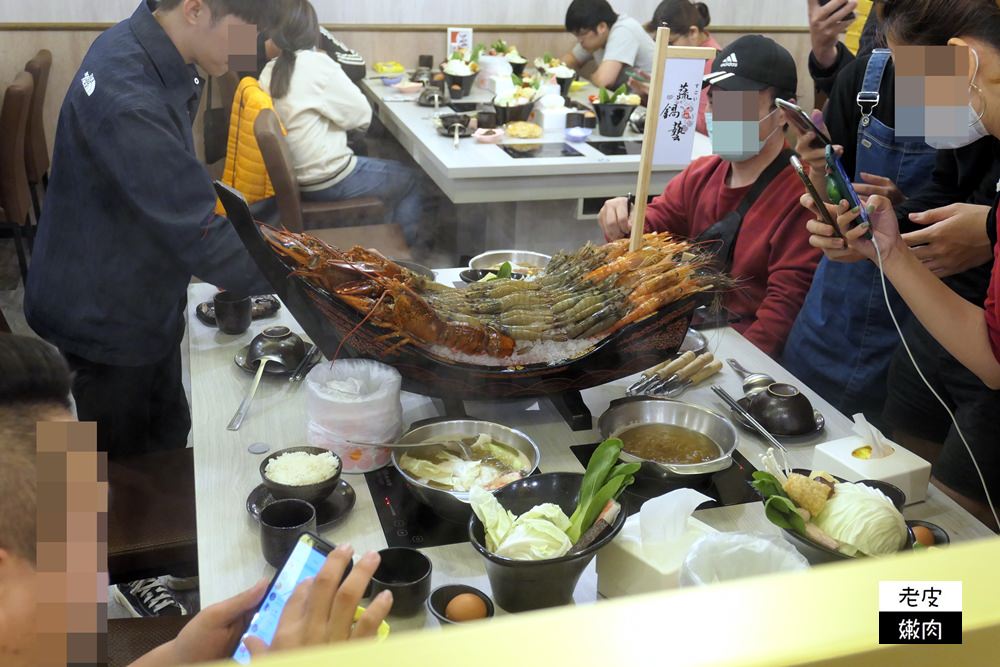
x: 871, y: 435
x: 664, y: 519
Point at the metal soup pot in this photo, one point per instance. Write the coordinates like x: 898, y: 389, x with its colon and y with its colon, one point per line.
x: 638, y: 410
x: 454, y: 505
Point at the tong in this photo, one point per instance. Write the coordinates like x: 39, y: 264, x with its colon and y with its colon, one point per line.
x: 661, y: 372
x: 703, y: 366
x: 756, y: 425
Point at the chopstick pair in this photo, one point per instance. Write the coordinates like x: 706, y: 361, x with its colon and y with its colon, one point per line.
x: 673, y: 377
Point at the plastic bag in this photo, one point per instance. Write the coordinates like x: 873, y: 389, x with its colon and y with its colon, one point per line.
x: 727, y: 556
x: 355, y: 400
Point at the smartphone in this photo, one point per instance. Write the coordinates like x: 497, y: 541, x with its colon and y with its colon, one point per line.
x: 811, y: 189
x: 844, y: 188
x: 305, y: 560
x: 849, y: 17
x: 802, y: 121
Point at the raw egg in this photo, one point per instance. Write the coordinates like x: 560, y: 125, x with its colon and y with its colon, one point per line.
x: 923, y: 535
x: 465, y: 607
x: 862, y: 452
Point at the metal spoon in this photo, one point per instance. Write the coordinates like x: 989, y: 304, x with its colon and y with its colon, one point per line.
x: 752, y: 382
x: 241, y: 412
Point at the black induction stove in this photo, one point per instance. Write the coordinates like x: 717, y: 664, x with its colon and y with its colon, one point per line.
x: 405, y: 520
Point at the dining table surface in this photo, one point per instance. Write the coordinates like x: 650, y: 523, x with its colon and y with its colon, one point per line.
x: 485, y: 173
x: 229, y: 552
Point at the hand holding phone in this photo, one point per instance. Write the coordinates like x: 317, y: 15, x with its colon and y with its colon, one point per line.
x: 840, y: 188
x: 284, y: 618
x: 817, y: 200
x: 802, y: 122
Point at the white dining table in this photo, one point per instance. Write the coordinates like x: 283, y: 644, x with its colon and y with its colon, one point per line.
x: 229, y: 554
x: 536, y: 203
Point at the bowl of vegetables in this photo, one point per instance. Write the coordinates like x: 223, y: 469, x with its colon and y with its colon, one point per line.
x: 441, y: 460
x: 828, y: 519
x: 539, y: 534
x: 614, y: 109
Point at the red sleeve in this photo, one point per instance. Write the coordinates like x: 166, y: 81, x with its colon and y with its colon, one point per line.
x: 993, y: 304
x: 668, y: 212
x: 791, y: 265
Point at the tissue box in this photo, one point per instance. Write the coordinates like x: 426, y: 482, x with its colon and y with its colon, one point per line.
x: 902, y: 468
x: 551, y: 119
x: 624, y: 567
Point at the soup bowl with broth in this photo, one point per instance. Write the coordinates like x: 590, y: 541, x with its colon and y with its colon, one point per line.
x: 670, y: 438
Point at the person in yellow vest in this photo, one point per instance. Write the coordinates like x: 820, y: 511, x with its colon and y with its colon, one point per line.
x: 828, y: 20
x: 245, y: 170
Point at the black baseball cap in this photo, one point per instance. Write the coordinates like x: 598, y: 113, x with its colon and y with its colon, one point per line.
x: 754, y: 62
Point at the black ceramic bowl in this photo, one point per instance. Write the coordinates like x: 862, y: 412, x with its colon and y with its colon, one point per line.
x: 518, y: 68
x: 519, y: 112
x: 612, y: 119
x: 407, y: 573
x: 520, y: 585
x: 464, y: 84
x: 441, y: 596
x: 311, y: 493
x: 475, y: 275
x: 817, y: 554
x: 940, y: 536
x: 783, y: 410
x: 564, y: 84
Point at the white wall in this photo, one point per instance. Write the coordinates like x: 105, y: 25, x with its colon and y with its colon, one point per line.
x: 458, y: 12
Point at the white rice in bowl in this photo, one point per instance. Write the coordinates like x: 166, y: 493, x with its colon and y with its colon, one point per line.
x: 302, y: 468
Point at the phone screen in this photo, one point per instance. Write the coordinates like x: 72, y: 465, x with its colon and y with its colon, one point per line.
x: 821, y: 207
x: 305, y: 561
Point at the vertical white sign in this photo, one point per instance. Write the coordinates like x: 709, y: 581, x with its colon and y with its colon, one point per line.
x: 459, y: 38
x: 678, y: 111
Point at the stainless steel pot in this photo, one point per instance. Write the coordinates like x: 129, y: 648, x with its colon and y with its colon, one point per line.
x: 454, y: 505
x: 637, y: 410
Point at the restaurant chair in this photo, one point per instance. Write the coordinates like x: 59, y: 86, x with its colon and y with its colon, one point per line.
x: 319, y: 218
x: 36, y: 150
x: 131, y: 638
x: 15, y: 192
x: 151, y: 516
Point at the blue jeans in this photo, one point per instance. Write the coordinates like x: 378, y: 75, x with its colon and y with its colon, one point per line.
x: 397, y: 186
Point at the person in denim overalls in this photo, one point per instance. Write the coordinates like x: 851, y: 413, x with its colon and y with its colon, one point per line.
x: 843, y: 339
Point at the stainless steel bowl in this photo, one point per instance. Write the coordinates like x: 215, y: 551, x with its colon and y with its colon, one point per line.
x: 637, y: 410
x: 524, y: 259
x: 454, y: 505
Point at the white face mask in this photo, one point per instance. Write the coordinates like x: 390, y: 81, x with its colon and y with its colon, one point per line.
x: 737, y: 152
x: 976, y: 129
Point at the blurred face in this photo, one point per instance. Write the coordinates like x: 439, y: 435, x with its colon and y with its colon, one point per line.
x: 219, y: 45
x: 593, y: 40
x: 986, y: 99
x: 742, y: 122
x: 693, y: 37
x: 18, y: 598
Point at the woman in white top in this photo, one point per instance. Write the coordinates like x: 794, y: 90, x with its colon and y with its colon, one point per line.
x: 318, y: 104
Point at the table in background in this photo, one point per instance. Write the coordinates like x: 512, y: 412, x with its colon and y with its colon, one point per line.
x: 518, y: 193
x: 229, y: 556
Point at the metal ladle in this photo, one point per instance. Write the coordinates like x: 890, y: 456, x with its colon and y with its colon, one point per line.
x: 241, y: 412
x: 752, y: 382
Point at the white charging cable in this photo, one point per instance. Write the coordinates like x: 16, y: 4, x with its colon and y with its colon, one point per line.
x: 958, y: 429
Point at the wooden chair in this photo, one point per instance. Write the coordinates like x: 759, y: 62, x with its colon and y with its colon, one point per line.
x: 151, y: 516
x: 319, y: 218
x: 15, y: 192
x: 36, y: 150
x: 131, y: 638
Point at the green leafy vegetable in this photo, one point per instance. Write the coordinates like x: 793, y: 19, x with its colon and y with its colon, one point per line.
x: 500, y: 46
x: 476, y: 52
x: 488, y: 277
x: 538, y: 534
x: 781, y: 512
x: 518, y: 81
x: 505, y: 270
x: 497, y: 521
x: 602, y: 481
x: 767, y: 485
x: 608, y: 97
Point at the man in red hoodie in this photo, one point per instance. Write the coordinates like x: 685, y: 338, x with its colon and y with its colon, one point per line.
x: 744, y: 198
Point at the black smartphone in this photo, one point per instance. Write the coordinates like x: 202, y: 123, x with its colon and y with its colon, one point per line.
x: 849, y: 17
x: 803, y: 122
x: 844, y: 189
x: 305, y: 560
x: 811, y: 189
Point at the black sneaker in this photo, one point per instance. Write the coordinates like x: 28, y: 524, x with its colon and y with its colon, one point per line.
x: 147, y: 597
